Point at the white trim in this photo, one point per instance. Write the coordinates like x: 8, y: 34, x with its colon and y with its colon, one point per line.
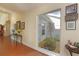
x: 37, y: 20
x: 47, y: 52
x: 42, y: 49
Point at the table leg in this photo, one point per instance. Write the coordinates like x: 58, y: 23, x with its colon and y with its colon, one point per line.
x: 21, y: 39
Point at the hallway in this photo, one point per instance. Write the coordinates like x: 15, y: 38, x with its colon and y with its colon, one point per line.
x: 9, y: 48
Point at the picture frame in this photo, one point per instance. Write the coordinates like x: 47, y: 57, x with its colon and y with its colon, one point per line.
x: 70, y: 25
x: 22, y: 25
x: 18, y: 25
x: 71, y: 8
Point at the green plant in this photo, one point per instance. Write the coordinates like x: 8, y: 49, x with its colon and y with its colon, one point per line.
x: 48, y: 43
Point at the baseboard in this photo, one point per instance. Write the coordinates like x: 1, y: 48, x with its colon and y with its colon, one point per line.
x: 49, y: 53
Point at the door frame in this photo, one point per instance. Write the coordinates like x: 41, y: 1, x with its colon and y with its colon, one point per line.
x: 9, y: 15
x: 37, y: 23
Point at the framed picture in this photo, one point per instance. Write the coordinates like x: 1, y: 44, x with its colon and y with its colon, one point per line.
x: 22, y: 25
x: 71, y: 25
x: 71, y: 8
x: 18, y: 25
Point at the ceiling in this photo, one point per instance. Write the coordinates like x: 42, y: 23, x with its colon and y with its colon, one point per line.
x: 24, y: 7
x: 18, y: 7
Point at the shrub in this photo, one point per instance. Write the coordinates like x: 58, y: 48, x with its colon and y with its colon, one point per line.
x: 48, y: 43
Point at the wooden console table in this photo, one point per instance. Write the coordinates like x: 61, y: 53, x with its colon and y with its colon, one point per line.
x: 72, y: 49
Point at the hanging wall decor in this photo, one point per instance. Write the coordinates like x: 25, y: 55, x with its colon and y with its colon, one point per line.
x: 71, y: 15
x: 71, y: 9
x: 71, y: 12
x: 18, y: 25
x: 22, y: 25
x: 71, y: 25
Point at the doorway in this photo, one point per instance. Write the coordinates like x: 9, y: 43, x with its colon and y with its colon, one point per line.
x: 49, y: 31
x: 5, y: 22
